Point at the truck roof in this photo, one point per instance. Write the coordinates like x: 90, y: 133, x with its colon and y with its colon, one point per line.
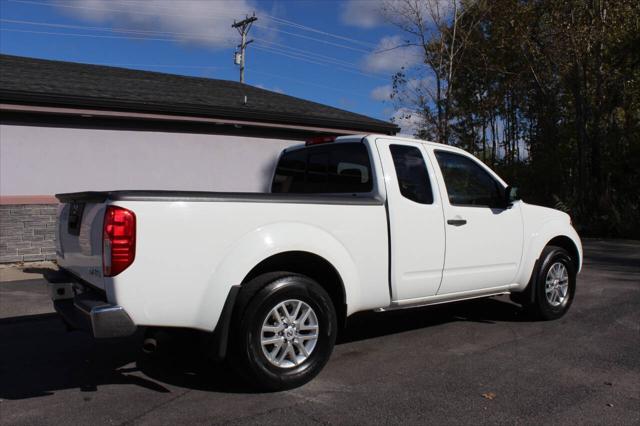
x: 355, y: 138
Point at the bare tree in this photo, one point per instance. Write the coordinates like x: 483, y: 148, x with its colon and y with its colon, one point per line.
x: 433, y: 27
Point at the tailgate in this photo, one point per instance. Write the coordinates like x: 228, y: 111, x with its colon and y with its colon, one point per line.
x: 79, y: 239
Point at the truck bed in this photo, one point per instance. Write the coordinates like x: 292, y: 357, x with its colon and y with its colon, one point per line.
x: 191, y: 247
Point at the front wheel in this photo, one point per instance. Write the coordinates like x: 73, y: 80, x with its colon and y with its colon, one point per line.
x: 286, y: 333
x: 555, y: 284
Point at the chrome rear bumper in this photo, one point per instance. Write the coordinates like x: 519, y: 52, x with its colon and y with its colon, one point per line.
x: 89, y: 312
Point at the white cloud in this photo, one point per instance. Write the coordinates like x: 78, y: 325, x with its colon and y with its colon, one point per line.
x: 390, y: 55
x: 206, y: 23
x: 362, y: 13
x: 409, y: 121
x: 373, y: 13
x: 417, y: 91
x: 381, y: 93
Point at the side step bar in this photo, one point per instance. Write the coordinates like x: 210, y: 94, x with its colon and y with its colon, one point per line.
x: 436, y: 300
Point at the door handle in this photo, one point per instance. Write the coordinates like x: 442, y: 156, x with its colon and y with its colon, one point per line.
x: 457, y: 222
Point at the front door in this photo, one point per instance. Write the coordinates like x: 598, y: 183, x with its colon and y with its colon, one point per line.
x: 484, y: 237
x: 416, y: 223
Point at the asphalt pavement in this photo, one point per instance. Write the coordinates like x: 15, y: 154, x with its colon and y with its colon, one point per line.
x: 473, y: 362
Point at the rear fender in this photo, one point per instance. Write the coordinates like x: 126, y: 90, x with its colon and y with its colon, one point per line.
x: 267, y: 241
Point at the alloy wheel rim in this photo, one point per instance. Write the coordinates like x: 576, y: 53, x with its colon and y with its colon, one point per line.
x: 557, y: 284
x: 289, y: 333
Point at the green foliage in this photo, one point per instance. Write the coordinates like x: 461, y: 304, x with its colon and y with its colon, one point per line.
x: 548, y: 93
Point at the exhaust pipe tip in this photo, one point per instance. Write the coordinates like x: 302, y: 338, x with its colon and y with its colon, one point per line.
x: 150, y: 345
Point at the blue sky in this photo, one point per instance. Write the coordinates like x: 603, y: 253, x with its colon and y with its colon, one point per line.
x: 320, y: 50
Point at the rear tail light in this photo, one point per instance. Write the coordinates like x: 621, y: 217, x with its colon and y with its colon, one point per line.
x: 118, y: 240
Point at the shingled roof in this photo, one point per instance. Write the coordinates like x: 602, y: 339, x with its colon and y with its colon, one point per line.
x: 68, y: 84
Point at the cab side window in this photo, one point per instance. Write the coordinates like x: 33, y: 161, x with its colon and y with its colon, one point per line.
x: 413, y: 177
x: 468, y: 184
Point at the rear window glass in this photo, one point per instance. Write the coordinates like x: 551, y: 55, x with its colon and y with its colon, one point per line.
x: 330, y: 168
x: 290, y: 175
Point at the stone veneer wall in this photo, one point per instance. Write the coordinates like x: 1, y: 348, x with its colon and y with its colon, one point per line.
x: 27, y: 232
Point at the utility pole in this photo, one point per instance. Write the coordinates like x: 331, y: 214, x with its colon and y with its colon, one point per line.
x: 243, y: 28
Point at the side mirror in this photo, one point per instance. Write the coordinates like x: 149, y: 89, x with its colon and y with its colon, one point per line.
x: 511, y: 194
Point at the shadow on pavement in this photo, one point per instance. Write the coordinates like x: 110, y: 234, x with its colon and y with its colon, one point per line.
x: 39, y: 357
x: 367, y: 325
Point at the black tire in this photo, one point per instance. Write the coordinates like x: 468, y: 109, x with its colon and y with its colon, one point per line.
x: 541, y: 307
x: 248, y: 355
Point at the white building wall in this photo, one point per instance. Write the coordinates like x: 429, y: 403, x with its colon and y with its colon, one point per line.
x: 48, y: 160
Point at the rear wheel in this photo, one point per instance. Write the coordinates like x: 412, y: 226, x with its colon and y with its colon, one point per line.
x: 285, y: 334
x: 555, y: 284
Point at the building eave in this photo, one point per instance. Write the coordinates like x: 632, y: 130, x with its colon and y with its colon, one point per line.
x: 103, y: 113
x: 27, y: 101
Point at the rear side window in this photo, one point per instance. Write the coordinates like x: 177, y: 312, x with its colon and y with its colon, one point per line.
x: 330, y: 168
x: 411, y: 170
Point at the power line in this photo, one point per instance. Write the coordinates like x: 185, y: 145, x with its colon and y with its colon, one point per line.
x: 294, y: 55
x: 263, y: 48
x: 173, y: 40
x: 287, y: 22
x: 212, y: 67
x: 189, y: 35
x: 137, y: 12
x: 309, y: 83
x: 318, y: 40
x: 111, y: 29
x: 99, y: 9
x: 300, y: 52
x: 313, y: 54
x: 306, y: 28
x: 291, y: 52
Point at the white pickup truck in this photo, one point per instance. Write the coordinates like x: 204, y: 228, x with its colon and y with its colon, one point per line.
x: 353, y: 224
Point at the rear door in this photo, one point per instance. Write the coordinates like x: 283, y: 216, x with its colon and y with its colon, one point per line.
x: 484, y: 237
x: 416, y: 224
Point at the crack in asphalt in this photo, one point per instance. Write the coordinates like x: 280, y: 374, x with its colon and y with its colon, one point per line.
x: 155, y: 407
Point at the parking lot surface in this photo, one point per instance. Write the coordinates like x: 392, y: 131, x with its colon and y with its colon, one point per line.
x: 467, y: 363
